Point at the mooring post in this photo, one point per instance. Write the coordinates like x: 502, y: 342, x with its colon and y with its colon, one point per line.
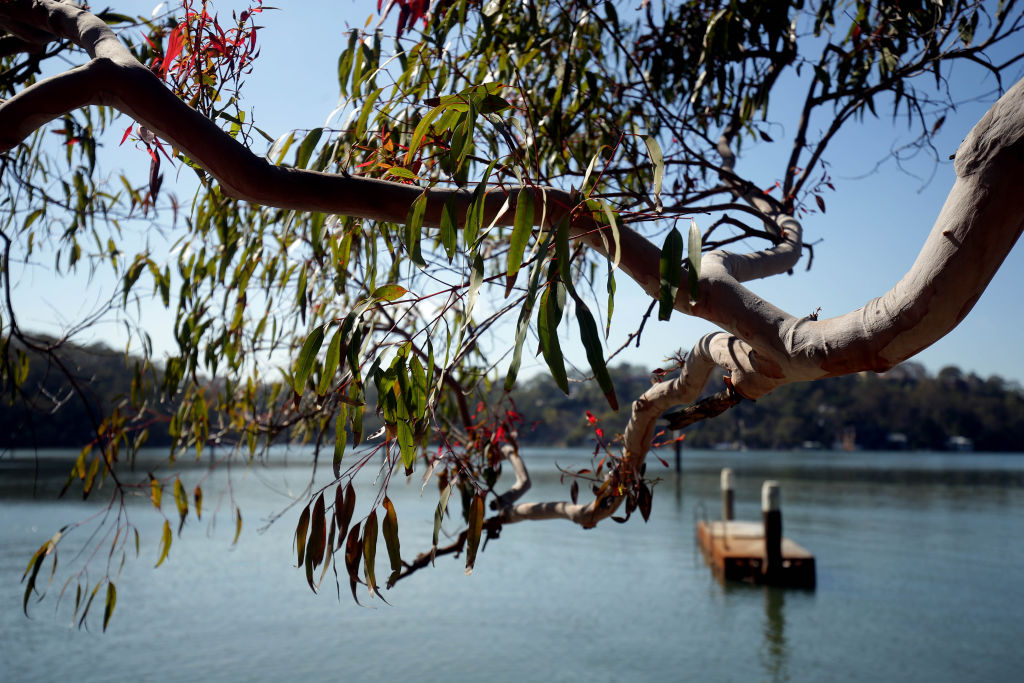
x: 771, y: 513
x: 679, y: 456
x: 727, y: 494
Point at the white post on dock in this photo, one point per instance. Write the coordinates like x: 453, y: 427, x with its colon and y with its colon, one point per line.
x: 728, y: 495
x: 771, y: 514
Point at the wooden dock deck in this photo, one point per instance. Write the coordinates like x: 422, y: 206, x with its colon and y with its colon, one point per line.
x: 736, y: 551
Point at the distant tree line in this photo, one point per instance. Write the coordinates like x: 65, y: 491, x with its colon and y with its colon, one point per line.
x: 49, y: 411
x: 905, y: 408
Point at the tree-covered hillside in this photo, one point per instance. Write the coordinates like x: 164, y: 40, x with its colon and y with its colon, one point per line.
x: 48, y: 410
x: 904, y: 408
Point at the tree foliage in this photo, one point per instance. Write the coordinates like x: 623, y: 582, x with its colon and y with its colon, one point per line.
x: 495, y: 167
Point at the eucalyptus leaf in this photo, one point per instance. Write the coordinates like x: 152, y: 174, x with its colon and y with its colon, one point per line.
x: 671, y: 269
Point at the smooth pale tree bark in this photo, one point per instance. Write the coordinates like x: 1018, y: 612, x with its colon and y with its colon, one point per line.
x: 761, y: 346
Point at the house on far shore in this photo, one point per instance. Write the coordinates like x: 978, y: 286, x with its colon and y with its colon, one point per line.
x: 959, y: 443
x: 896, y: 441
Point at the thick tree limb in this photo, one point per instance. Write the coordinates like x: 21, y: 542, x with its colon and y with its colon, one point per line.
x: 522, y: 483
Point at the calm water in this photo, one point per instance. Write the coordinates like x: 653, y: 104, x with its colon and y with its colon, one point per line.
x: 919, y: 579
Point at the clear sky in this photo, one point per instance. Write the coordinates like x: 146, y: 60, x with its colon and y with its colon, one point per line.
x: 874, y: 227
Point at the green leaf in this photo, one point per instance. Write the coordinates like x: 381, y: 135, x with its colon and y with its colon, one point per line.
x: 414, y: 227
x: 390, y: 529
x: 552, y: 303
x: 406, y: 443
x: 108, y: 609
x: 590, y: 169
x: 614, y: 227
x: 522, y: 227
x: 165, y: 543
x: 476, y: 279
x: 657, y: 158
x: 32, y: 571
x: 442, y: 504
x: 307, y: 357
x: 525, y: 314
x: 671, y: 273
x: 357, y: 424
x: 595, y: 352
x: 88, y: 603
x: 611, y: 302
x: 364, y: 113
x: 345, y: 61
x: 307, y: 146
x: 449, y: 226
x: 693, y: 260
x: 155, y: 492
x: 115, y: 18
x: 462, y: 141
x: 420, y: 132
x: 181, y: 501
x: 476, y: 525
x: 420, y: 388
x: 197, y: 495
x: 389, y: 292
x: 90, y: 478
x: 331, y: 363
x: 280, y: 147
x: 238, y: 525
x: 475, y: 214
x: 359, y: 70
x: 370, y: 551
x: 300, y: 535
x: 132, y: 276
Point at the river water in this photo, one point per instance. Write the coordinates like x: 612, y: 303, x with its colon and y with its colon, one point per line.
x: 919, y: 560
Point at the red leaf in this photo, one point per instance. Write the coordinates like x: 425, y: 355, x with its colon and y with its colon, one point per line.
x: 159, y: 146
x: 353, y: 553
x: 590, y: 418
x: 127, y: 132
x: 821, y: 202
x: 174, y: 46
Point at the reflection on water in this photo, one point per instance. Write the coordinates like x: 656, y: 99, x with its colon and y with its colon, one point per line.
x: 773, y: 651
x: 773, y: 648
x: 912, y: 568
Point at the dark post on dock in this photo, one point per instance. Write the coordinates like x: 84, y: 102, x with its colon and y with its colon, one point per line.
x: 755, y: 552
x: 771, y: 517
x: 728, y: 495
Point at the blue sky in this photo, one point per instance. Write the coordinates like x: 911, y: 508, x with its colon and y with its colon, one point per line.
x: 873, y: 229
